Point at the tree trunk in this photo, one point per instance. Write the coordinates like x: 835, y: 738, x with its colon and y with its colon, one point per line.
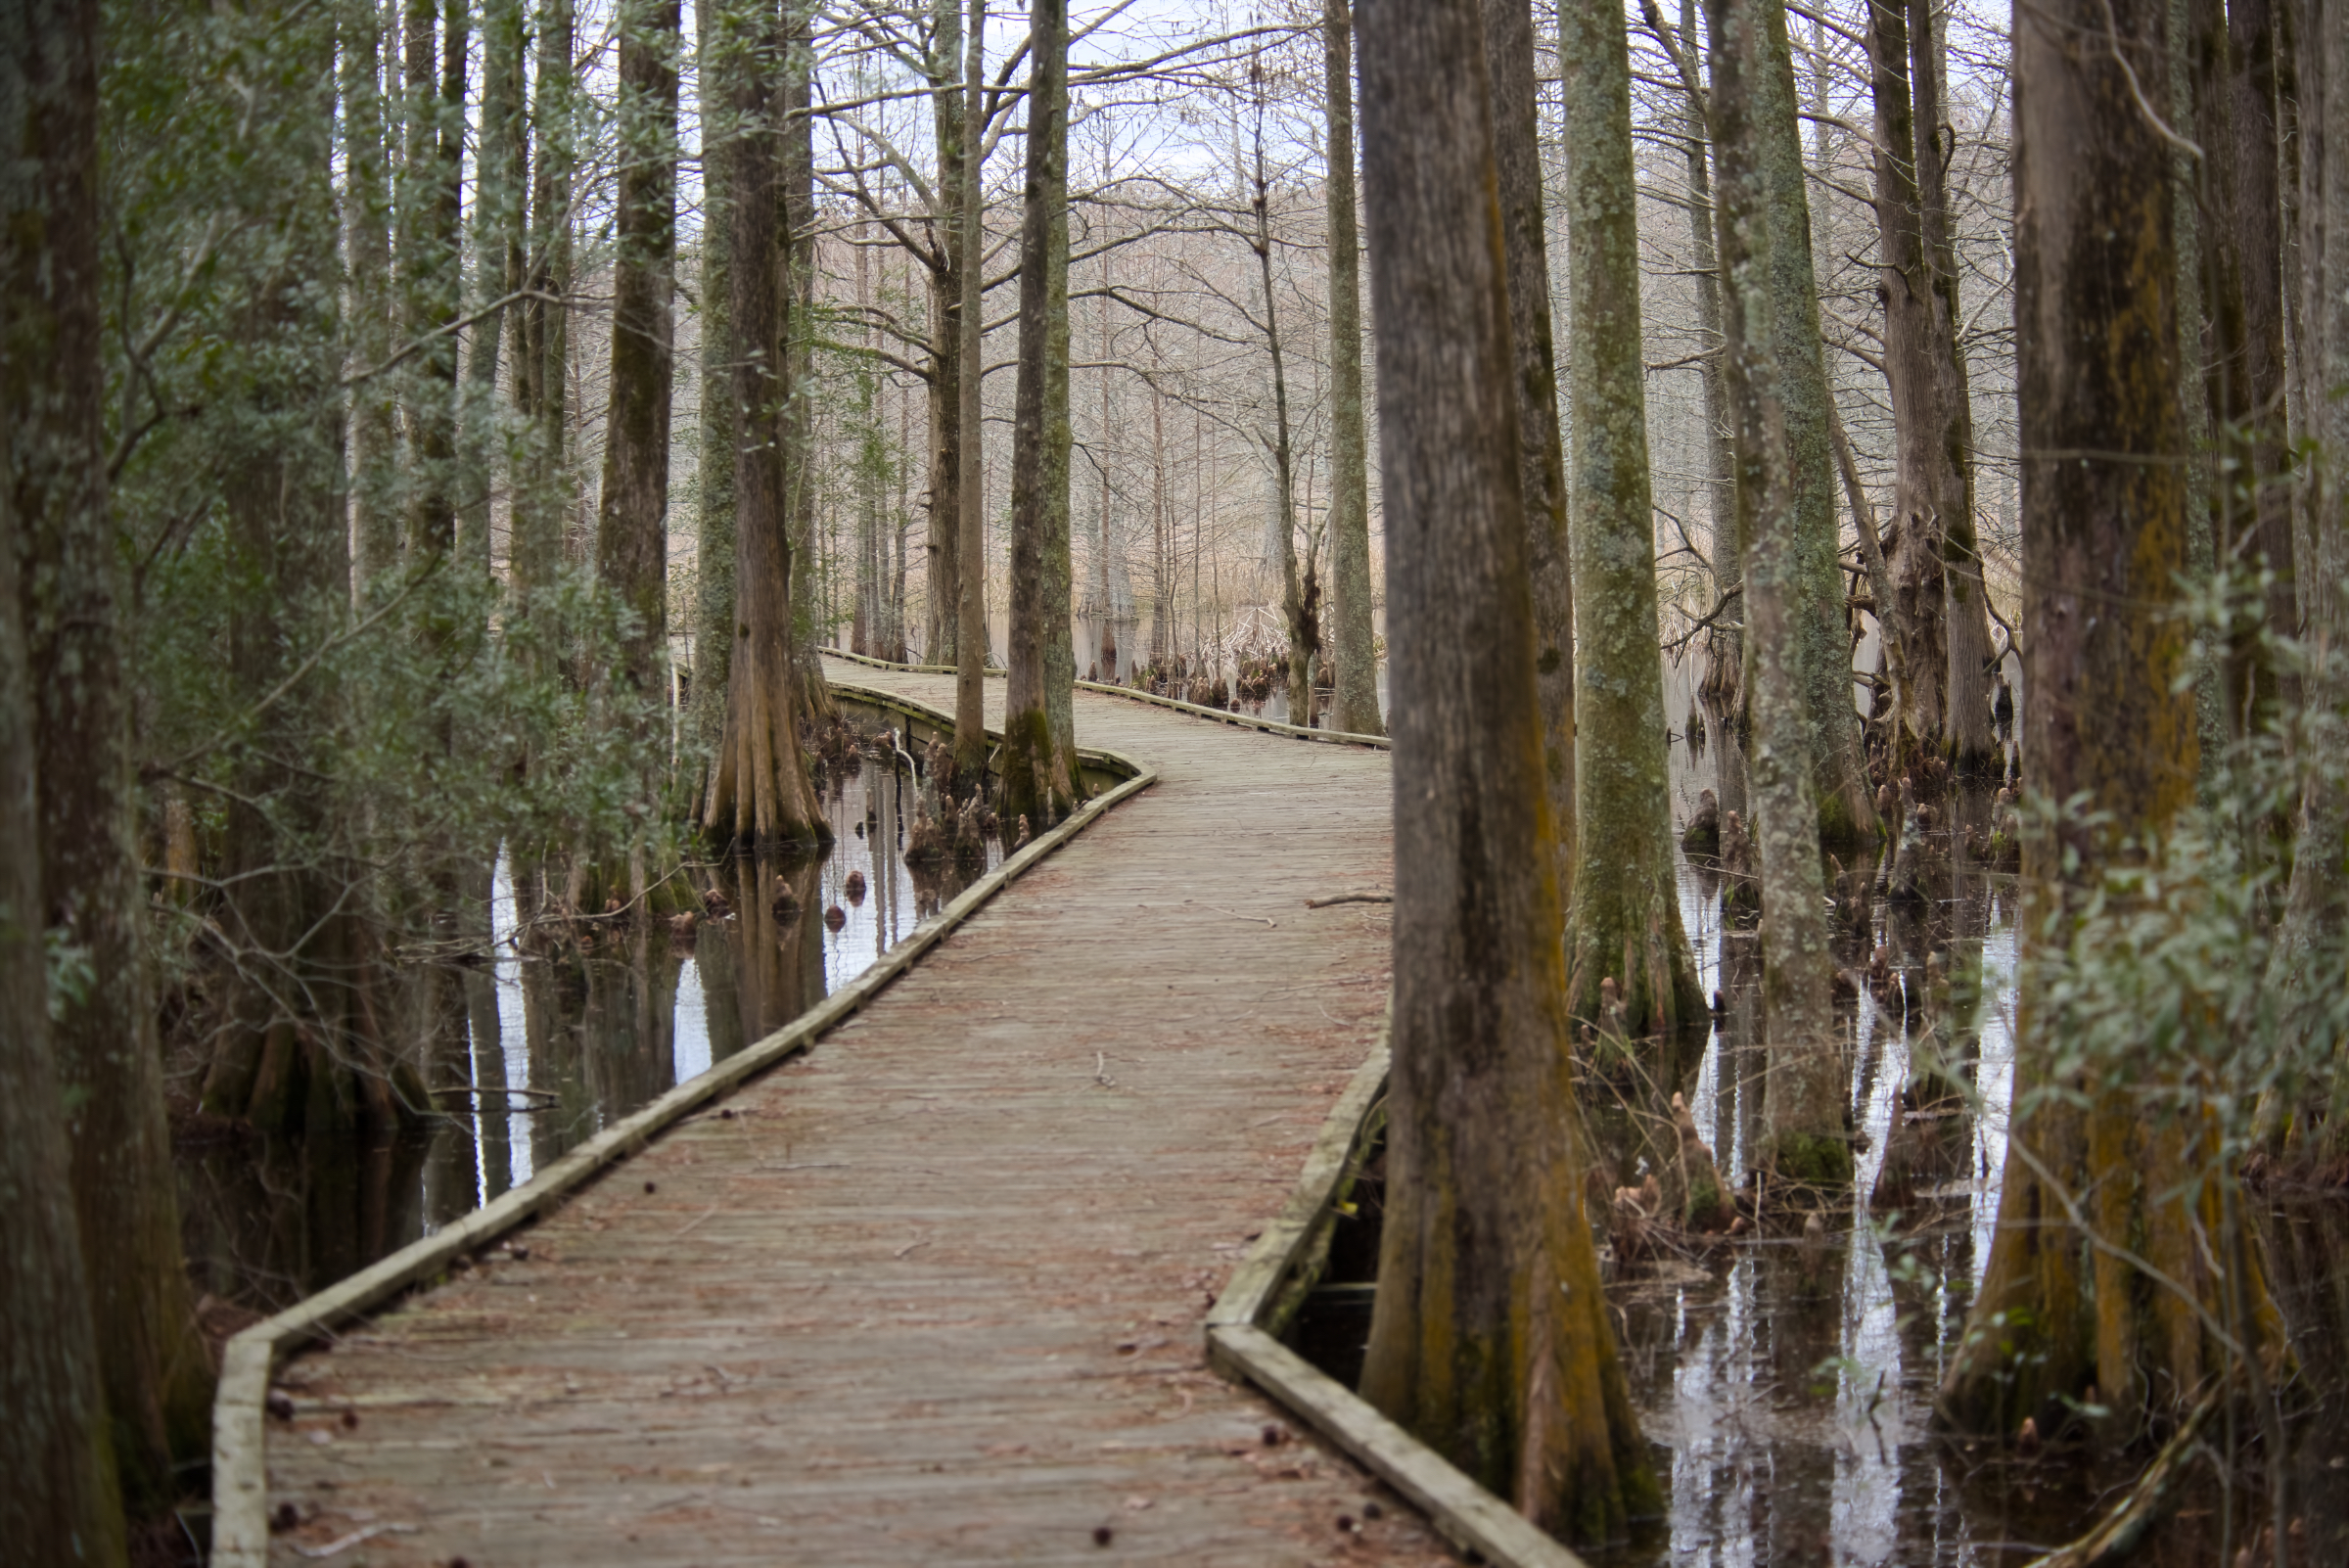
x: 367, y: 243
x: 1516, y: 149
x: 942, y: 613
x: 942, y: 632
x: 152, y: 1363
x: 1846, y: 812
x: 1972, y: 742
x: 631, y: 533
x: 499, y: 212
x: 2201, y: 559
x: 714, y: 635
x: 1725, y: 645
x: 1626, y: 911
x: 2104, y: 511
x: 1299, y: 595
x: 1922, y: 496
x: 2317, y: 903
x: 2233, y: 55
x: 1490, y: 1338
x: 301, y: 1047
x: 810, y: 693
x: 760, y: 798
x: 1355, y: 708
x: 1039, y: 777
x: 430, y: 255
x: 1805, y: 1153
x: 542, y: 355
x: 970, y: 664
x: 61, y: 1486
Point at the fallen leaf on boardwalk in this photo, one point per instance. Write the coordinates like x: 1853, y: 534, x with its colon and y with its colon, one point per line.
x: 1137, y: 1504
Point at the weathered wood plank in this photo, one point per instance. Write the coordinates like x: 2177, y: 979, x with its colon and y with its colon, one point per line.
x: 936, y: 1291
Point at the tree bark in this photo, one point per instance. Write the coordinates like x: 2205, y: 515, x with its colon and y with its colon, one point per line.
x: 945, y: 580
x: 810, y: 693
x: 1299, y: 595
x: 1846, y: 806
x: 2104, y: 513
x: 2234, y: 55
x: 1806, y: 1152
x: 152, y: 1367
x: 542, y: 353
x: 1916, y: 619
x: 1516, y: 148
x: 631, y: 534
x: 713, y: 634
x: 1490, y: 1338
x: 760, y: 798
x: 1479, y: 1035
x: 500, y: 212
x: 2317, y: 899
x: 1625, y: 917
x: 367, y: 247
x: 1725, y: 646
x: 60, y: 1467
x: 1972, y: 742
x: 970, y: 664
x: 1039, y: 778
x: 430, y: 255
x: 1353, y: 644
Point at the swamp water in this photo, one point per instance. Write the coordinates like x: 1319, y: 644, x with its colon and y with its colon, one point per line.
x: 561, y: 1030
x: 1785, y: 1384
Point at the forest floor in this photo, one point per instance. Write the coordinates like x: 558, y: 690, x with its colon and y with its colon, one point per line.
x: 934, y: 1290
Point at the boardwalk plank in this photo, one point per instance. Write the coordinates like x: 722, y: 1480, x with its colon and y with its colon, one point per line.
x: 935, y: 1293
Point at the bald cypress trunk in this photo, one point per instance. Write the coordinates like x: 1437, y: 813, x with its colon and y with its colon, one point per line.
x: 631, y: 533
x: 1625, y: 917
x: 500, y: 211
x: 1725, y: 645
x: 1491, y: 1338
x: 1038, y: 776
x: 1805, y: 1153
x: 430, y: 258
x: 1924, y: 494
x: 2316, y: 901
x: 1509, y: 61
x: 760, y: 798
x: 367, y: 259
x: 152, y: 1367
x: 61, y: 1486
x: 1300, y: 595
x: 1355, y: 708
x: 944, y: 627
x: 2233, y: 57
x: 970, y: 671
x: 811, y: 694
x: 541, y: 354
x: 1846, y: 806
x: 1972, y: 742
x: 714, y: 524
x: 2104, y: 514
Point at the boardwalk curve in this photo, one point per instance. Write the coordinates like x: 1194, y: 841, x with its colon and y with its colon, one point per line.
x: 932, y: 1291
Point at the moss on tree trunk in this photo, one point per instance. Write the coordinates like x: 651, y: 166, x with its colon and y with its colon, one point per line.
x: 1806, y: 1152
x: 1491, y: 1339
x: 1624, y: 922
x: 1040, y: 776
x: 2100, y: 1204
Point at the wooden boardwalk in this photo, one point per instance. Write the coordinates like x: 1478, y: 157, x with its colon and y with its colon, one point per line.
x: 932, y: 1291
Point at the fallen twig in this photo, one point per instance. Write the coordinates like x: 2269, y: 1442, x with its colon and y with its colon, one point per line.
x: 337, y: 1547
x: 1349, y: 897
x: 2148, y: 1502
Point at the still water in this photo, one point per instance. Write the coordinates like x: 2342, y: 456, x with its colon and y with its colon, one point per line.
x: 563, y: 1029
